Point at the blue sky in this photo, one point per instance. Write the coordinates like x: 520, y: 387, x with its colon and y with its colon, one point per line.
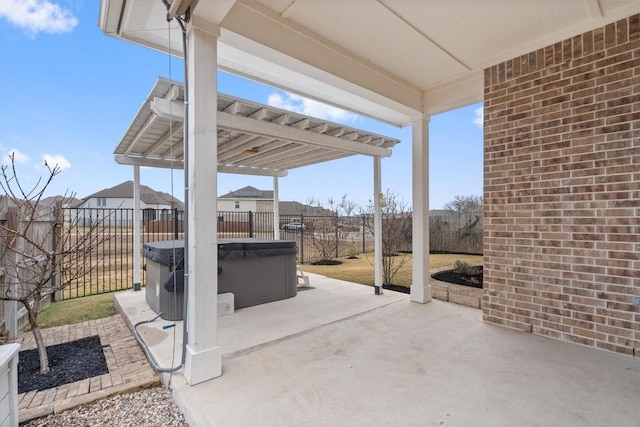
x: 69, y: 93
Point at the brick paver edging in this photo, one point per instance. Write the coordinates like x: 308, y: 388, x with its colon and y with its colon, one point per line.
x: 129, y: 370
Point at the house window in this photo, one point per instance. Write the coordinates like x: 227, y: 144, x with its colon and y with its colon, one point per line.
x: 237, y: 204
x: 102, y: 201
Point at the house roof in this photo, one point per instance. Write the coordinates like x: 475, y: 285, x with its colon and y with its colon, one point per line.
x: 248, y: 192
x: 147, y: 195
x: 71, y: 201
x: 390, y: 60
x: 297, y: 208
x: 253, y: 138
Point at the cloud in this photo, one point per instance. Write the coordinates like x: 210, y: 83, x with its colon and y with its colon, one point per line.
x: 18, y: 157
x: 54, y: 160
x: 478, y: 118
x: 35, y: 16
x: 309, y: 107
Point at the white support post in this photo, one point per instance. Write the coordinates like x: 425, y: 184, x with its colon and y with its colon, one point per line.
x: 377, y: 223
x: 420, y: 287
x: 204, y: 357
x: 136, y: 228
x: 276, y: 210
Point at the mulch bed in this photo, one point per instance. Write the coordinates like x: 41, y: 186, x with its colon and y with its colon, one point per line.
x: 327, y: 262
x: 450, y: 276
x: 68, y: 362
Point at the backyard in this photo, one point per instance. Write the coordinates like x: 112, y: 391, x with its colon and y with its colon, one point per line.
x: 360, y: 269
x: 357, y: 270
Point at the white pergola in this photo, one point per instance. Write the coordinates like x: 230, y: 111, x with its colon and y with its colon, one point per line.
x: 396, y: 61
x: 251, y: 139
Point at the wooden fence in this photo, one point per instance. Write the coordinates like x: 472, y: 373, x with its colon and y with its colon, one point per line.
x: 24, y: 238
x: 454, y: 232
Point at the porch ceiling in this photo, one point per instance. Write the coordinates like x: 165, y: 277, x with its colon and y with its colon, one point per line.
x: 253, y: 139
x: 391, y: 60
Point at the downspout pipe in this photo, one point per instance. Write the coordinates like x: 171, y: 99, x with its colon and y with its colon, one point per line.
x: 185, y: 305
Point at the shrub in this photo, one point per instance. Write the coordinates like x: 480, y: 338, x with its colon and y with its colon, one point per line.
x: 462, y: 267
x: 352, y: 252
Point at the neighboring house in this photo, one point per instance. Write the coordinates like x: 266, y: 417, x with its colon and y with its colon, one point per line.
x: 154, y: 204
x: 68, y: 202
x: 250, y: 199
x: 246, y: 199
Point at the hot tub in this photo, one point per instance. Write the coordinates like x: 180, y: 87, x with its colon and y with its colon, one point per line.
x: 256, y: 271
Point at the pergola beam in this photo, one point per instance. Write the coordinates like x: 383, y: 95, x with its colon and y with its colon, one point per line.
x: 266, y: 129
x: 170, y: 110
x: 179, y: 164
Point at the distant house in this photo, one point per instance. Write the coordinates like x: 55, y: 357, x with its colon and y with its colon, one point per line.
x: 67, y: 202
x: 153, y: 204
x: 250, y: 199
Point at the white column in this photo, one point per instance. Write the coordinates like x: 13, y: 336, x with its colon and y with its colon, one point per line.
x: 377, y: 223
x: 420, y: 287
x: 276, y: 210
x: 204, y: 358
x: 136, y: 228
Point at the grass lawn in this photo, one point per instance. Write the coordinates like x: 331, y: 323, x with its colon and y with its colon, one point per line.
x: 361, y: 270
x: 77, y: 310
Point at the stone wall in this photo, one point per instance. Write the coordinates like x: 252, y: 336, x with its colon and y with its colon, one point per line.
x: 562, y: 190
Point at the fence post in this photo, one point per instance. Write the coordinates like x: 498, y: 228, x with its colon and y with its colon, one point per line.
x: 176, y: 224
x: 302, y: 239
x: 337, y: 242
x: 58, y: 221
x: 364, y: 241
x: 250, y: 224
x: 11, y: 307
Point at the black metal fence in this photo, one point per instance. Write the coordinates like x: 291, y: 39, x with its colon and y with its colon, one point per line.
x: 109, y: 267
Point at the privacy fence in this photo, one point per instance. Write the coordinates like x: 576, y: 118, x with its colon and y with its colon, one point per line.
x: 108, y: 266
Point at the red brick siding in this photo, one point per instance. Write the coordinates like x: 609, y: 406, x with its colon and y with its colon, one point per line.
x: 562, y: 190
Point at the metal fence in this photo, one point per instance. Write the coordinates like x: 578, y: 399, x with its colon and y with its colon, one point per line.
x: 110, y: 266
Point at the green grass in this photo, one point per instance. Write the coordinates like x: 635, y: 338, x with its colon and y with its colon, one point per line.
x: 77, y: 310
x: 361, y: 270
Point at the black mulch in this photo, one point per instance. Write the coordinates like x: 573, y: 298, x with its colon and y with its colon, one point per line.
x: 396, y: 288
x: 450, y: 276
x: 327, y: 262
x: 68, y: 362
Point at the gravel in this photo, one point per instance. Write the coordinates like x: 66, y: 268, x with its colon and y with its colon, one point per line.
x: 148, y: 407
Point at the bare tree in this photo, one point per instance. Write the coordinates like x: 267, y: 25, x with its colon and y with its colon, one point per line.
x: 346, y: 206
x: 38, y: 259
x: 465, y: 205
x: 396, y: 233
x: 324, y: 230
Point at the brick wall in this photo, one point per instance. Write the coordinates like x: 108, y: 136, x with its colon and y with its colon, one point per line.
x: 562, y: 190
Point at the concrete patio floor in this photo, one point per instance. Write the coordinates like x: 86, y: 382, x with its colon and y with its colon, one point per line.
x: 340, y: 355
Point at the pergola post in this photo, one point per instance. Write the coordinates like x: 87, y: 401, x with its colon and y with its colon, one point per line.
x: 377, y: 223
x: 420, y: 286
x: 136, y: 228
x: 276, y: 210
x: 204, y: 358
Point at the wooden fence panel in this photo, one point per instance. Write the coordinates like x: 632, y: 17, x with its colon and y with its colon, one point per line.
x: 454, y: 232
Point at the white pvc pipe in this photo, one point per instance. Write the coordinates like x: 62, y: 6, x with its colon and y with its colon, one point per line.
x: 377, y: 222
x: 136, y: 228
x: 276, y: 210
